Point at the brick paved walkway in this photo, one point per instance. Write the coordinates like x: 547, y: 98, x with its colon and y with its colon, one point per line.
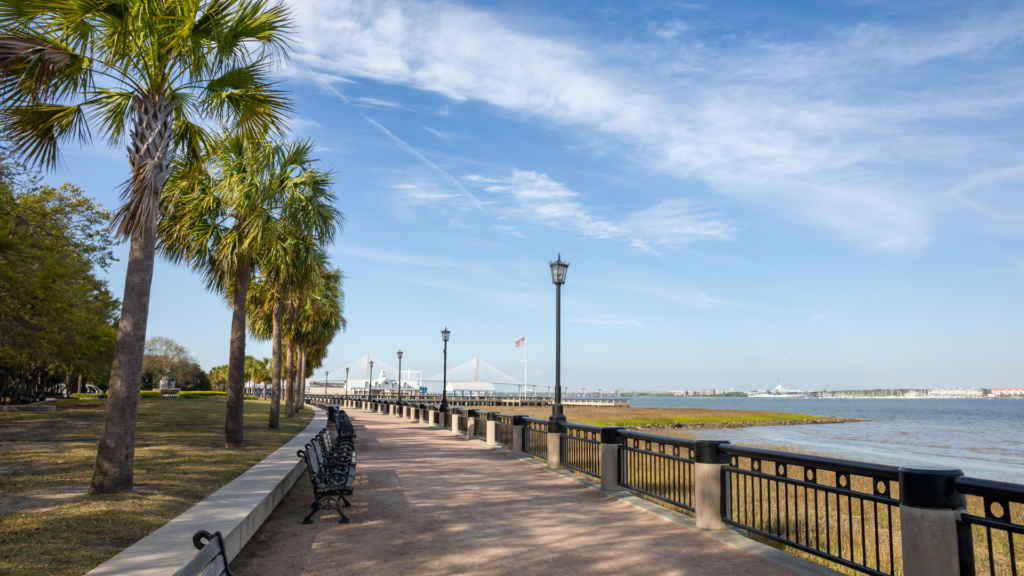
x: 428, y: 502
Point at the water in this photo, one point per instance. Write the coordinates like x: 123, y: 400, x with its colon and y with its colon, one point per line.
x: 984, y: 438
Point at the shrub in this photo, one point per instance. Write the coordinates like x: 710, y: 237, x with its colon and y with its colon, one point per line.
x: 150, y: 394
x: 251, y: 397
x: 88, y: 395
x: 200, y: 394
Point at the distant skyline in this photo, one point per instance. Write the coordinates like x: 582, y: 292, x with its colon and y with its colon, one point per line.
x: 731, y: 183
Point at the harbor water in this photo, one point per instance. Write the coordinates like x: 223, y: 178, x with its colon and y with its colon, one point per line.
x: 984, y: 438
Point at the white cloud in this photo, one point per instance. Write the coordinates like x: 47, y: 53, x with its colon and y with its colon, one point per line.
x: 379, y: 103
x: 479, y: 179
x: 539, y: 199
x: 798, y: 129
x: 669, y: 30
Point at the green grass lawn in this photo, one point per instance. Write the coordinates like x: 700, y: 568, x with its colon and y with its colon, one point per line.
x: 47, y: 523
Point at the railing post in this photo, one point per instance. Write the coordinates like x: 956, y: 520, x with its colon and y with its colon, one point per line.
x: 517, y: 434
x: 554, y: 445
x: 455, y: 420
x: 470, y: 424
x: 432, y: 418
x: 610, y: 457
x: 929, y: 509
x: 710, y: 488
x: 492, y: 429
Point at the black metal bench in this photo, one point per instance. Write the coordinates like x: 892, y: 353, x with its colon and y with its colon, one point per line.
x: 331, y: 483
x: 211, y: 560
x: 333, y: 454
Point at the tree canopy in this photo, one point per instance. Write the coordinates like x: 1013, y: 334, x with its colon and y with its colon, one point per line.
x: 58, y: 318
x: 165, y: 357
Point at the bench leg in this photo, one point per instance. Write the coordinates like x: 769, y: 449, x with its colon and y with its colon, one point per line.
x: 308, y: 518
x: 344, y: 519
x: 345, y: 500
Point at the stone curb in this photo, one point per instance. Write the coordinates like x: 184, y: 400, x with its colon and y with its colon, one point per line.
x: 237, y: 511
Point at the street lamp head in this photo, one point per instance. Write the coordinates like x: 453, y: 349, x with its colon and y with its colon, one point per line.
x: 445, y: 333
x: 399, y: 354
x: 558, y: 270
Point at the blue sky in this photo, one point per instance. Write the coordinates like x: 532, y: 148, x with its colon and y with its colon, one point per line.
x: 731, y: 182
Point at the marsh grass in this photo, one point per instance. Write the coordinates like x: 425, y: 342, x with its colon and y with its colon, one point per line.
x: 49, y: 526
x: 667, y: 417
x: 1001, y: 560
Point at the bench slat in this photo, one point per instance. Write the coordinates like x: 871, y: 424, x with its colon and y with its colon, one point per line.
x: 216, y: 568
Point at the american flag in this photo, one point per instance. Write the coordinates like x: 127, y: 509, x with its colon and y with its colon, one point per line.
x: 521, y: 342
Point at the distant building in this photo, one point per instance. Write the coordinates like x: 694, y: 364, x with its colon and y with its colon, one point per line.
x: 955, y: 393
x: 996, y: 392
x: 168, y: 385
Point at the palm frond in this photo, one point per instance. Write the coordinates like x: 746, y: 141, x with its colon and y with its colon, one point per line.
x: 36, y: 68
x: 37, y: 130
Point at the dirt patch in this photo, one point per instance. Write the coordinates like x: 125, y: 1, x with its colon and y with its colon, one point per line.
x: 47, y: 498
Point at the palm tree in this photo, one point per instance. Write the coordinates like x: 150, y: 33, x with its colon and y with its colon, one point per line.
x: 148, y: 72
x: 228, y: 219
x: 318, y: 319
x: 297, y: 266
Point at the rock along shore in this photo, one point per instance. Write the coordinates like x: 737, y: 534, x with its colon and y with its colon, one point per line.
x: 784, y: 422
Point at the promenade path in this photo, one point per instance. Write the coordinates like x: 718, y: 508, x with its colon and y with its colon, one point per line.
x: 428, y: 502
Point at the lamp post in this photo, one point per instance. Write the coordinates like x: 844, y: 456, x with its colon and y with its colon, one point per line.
x: 326, y: 379
x: 346, y: 381
x: 444, y: 385
x: 558, y: 270
x: 399, y: 375
x: 369, y: 385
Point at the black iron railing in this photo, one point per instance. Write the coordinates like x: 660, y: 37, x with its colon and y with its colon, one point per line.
x: 503, y: 429
x: 838, y: 510
x: 535, y: 437
x: 658, y: 466
x: 992, y: 530
x: 581, y: 448
x: 480, y: 429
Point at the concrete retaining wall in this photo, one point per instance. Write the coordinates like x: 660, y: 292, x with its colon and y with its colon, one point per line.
x: 237, y: 510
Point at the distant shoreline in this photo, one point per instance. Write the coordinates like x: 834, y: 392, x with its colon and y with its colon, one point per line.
x: 746, y: 424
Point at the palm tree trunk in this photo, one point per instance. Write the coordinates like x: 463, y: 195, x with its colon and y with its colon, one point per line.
x: 234, y: 420
x: 302, y: 377
x: 275, y: 370
x: 115, y: 457
x: 290, y: 380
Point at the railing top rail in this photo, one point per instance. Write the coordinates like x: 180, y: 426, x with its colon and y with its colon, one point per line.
x: 880, y: 471
x: 535, y: 420
x: 990, y: 488
x: 503, y: 415
x: 660, y: 439
x: 586, y: 427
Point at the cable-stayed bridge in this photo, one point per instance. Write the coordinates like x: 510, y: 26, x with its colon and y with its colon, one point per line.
x: 474, y: 376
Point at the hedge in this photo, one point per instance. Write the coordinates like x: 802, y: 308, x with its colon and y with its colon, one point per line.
x: 89, y: 395
x: 150, y: 394
x: 200, y: 394
x: 251, y: 398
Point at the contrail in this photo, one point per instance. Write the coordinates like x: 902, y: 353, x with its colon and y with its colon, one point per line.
x: 328, y: 85
x: 398, y: 142
x: 402, y: 145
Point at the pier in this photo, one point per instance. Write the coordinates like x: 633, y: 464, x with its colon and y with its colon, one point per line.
x: 492, y: 483
x: 429, y: 502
